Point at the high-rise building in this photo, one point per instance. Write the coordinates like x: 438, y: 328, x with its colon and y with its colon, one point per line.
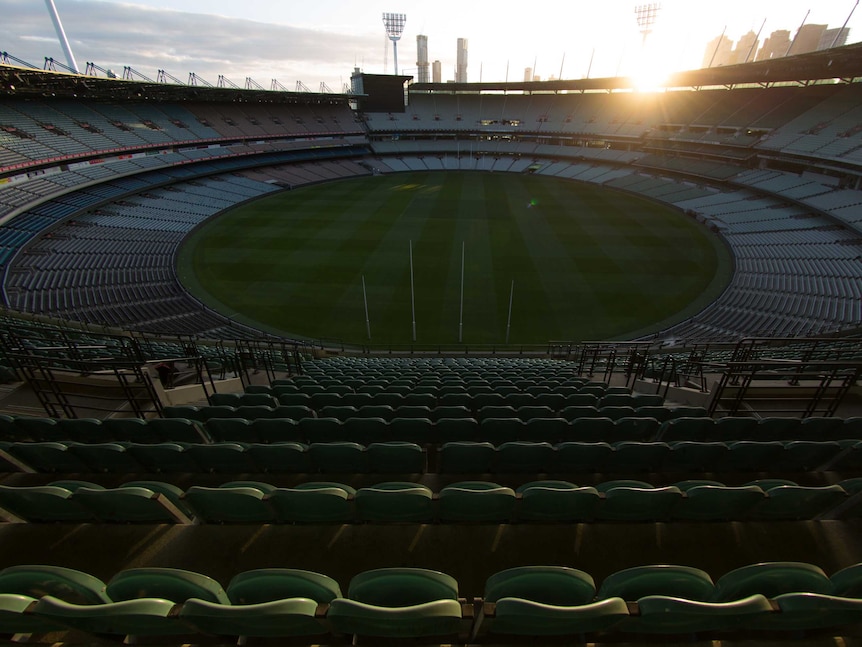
x: 461, y: 62
x: 422, y: 58
x: 717, y: 52
x: 437, y: 72
x: 807, y: 39
x: 775, y: 46
x: 528, y: 74
x: 745, y: 50
x: 834, y: 38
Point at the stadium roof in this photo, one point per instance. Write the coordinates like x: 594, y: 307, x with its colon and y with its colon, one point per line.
x: 32, y: 82
x: 842, y: 63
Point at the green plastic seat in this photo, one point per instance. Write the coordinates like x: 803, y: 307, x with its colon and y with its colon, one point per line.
x: 16, y: 616
x: 107, y: 457
x: 664, y: 614
x: 224, y: 399
x: 501, y: 430
x: 83, y: 430
x: 38, y: 429
x: 367, y: 430
x: 466, y: 457
x: 48, y: 457
x: 169, y: 458
x: 395, y: 457
x: 281, y: 457
x: 695, y: 456
x: 413, y: 430
x: 548, y: 601
x: 772, y: 579
x: 413, y: 411
x: 557, y: 501
x: 752, y: 456
x: 290, y: 398
x: 179, y: 430
x: 731, y: 429
x: 457, y: 429
x: 592, y: 430
x: 322, y: 430
x: 133, y: 430
x: 792, y: 502
x: 228, y: 505
x: 268, y: 584
x: 847, y: 582
x: 523, y: 457
x: 137, y: 617
x: 687, y: 428
x: 516, y: 616
x: 476, y: 501
x: 395, y: 501
x: 781, y: 429
x: 177, y: 585
x: 292, y: 412
x: 672, y: 580
x: 338, y: 457
x: 225, y: 430
x: 632, y: 503
x: 310, y: 505
x: 807, y: 455
x: 634, y: 428
x: 719, y: 503
x: 547, y: 430
x: 224, y: 458
x: 171, y: 492
x: 634, y: 456
x: 812, y: 611
x: 575, y: 456
x: 129, y: 505
x: 43, y: 503
x: 273, y: 619
x: 557, y: 585
x: 398, y: 603
x: 37, y: 580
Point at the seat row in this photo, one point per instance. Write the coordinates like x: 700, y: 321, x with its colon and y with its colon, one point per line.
x: 426, y: 427
x: 474, y: 401
x: 255, y: 502
x: 455, y: 457
x: 163, y: 604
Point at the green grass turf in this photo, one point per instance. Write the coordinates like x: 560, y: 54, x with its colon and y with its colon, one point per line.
x: 587, y: 262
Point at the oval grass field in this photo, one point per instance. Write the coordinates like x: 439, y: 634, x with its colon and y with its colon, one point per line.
x: 587, y: 262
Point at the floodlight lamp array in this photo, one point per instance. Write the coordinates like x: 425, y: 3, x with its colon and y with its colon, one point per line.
x: 394, y: 24
x: 646, y: 15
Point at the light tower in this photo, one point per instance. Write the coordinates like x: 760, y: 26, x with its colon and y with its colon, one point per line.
x: 61, y: 35
x: 646, y: 15
x: 394, y: 24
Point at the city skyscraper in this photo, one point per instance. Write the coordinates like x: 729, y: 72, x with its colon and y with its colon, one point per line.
x: 775, y: 46
x: 717, y: 52
x: 436, y: 72
x: 422, y: 58
x: 528, y: 74
x: 807, y: 39
x: 836, y: 37
x: 461, y: 62
x: 745, y: 50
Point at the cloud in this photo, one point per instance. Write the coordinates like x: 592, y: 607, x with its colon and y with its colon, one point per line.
x: 114, y: 35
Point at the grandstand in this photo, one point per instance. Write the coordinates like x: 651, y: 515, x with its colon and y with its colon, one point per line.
x: 171, y: 476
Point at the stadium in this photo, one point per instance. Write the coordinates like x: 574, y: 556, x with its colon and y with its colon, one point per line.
x: 456, y: 363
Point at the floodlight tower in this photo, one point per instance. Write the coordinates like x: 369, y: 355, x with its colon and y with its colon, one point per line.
x: 394, y: 24
x: 61, y: 35
x: 646, y: 15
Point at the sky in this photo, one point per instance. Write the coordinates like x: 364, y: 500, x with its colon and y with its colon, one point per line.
x: 321, y: 41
